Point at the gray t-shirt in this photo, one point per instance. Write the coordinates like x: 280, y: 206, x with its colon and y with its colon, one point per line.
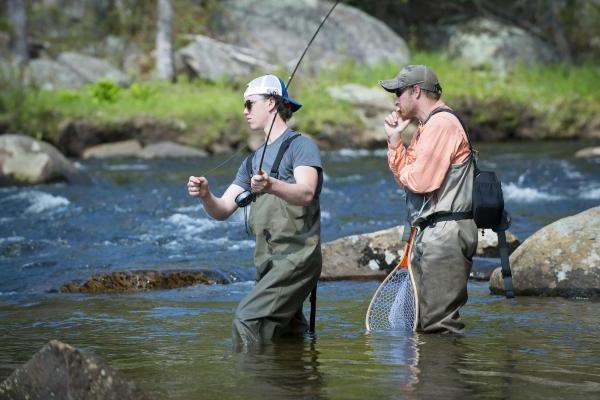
x: 302, y: 152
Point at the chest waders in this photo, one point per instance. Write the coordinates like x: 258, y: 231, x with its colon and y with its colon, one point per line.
x: 288, y: 266
x: 443, y: 249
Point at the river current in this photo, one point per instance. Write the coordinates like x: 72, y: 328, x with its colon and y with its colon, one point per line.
x: 176, y: 343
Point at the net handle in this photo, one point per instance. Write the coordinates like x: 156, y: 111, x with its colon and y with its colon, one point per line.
x: 404, y: 263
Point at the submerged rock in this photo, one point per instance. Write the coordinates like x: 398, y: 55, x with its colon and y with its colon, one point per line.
x: 26, y: 161
x: 143, y: 280
x: 60, y: 371
x: 561, y: 259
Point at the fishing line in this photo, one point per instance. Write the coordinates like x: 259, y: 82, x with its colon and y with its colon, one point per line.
x: 246, y: 197
x: 238, y: 151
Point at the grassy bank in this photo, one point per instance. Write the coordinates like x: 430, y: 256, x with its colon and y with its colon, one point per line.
x: 559, y: 101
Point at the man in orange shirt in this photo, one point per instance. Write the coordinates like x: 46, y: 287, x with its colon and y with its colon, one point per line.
x: 437, y: 174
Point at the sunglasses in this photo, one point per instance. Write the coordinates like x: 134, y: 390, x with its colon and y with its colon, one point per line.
x: 248, y: 104
x: 399, y: 92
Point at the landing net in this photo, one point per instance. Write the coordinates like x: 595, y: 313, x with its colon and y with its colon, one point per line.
x: 393, y: 306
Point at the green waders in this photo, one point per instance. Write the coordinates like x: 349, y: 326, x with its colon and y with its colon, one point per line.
x: 288, y: 265
x: 440, y: 264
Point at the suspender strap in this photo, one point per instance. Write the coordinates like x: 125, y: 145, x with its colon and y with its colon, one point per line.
x: 506, y: 274
x: 444, y: 216
x: 505, y: 222
x: 451, y: 111
x: 275, y: 169
x: 282, y: 149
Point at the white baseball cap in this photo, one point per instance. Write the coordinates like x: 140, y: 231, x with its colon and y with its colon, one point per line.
x: 270, y: 84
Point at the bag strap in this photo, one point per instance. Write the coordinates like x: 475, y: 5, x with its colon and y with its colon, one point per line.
x: 451, y: 111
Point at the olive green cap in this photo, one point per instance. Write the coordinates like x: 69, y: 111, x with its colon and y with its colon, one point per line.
x: 412, y: 75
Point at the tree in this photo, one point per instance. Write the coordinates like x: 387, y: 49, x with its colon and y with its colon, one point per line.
x: 164, y: 46
x: 18, y: 20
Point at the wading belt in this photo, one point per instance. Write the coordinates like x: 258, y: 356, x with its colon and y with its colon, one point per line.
x: 444, y: 216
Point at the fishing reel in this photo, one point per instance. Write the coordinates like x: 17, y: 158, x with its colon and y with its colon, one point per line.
x: 245, y: 198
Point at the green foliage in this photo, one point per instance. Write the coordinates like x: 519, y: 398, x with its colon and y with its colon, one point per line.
x: 558, y: 99
x: 141, y: 91
x: 67, y: 96
x: 105, y: 91
x: 20, y: 110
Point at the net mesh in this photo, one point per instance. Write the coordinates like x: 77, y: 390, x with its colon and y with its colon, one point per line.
x: 393, y: 307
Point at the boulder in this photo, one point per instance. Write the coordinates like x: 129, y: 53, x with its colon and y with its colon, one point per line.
x: 26, y: 161
x: 133, y: 148
x: 75, y: 136
x: 60, y: 371
x: 51, y: 75
x: 281, y: 29
x: 371, y: 105
x: 144, y: 280
x: 487, y: 43
x: 561, y: 259
x: 487, y: 243
x: 92, y: 69
x: 126, y: 148
x: 367, y: 256
x: 168, y: 149
x: 211, y: 59
x: 373, y: 255
x: 588, y: 152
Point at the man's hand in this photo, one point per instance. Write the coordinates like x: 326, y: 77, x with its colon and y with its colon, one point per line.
x: 198, y: 186
x: 394, y: 125
x: 260, y: 183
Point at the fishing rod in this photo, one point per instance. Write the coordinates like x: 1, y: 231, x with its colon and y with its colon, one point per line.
x: 246, y: 197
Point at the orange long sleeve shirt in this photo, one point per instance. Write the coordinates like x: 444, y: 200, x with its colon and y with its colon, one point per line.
x: 436, y: 145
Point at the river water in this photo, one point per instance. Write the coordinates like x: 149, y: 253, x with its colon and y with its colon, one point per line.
x: 176, y: 343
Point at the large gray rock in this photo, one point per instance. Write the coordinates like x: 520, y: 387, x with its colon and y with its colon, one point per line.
x: 371, y: 105
x: 211, y: 59
x: 76, y: 136
x: 282, y: 28
x: 561, y: 259
x: 487, y: 243
x: 26, y: 161
x: 484, y: 42
x: 92, y: 69
x: 60, y: 371
x: 52, y: 75
x: 367, y: 256
x: 373, y: 255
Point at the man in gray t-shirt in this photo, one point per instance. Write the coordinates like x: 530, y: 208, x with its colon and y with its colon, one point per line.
x: 284, y: 216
